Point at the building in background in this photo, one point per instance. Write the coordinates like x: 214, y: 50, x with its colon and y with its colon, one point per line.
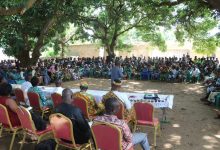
x: 140, y: 49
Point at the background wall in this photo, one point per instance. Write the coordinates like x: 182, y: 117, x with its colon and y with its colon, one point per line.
x: 138, y: 49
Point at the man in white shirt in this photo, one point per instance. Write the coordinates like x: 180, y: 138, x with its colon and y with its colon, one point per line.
x: 195, y: 74
x: 25, y: 86
x: 58, y: 89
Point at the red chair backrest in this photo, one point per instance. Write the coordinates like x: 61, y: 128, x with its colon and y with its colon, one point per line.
x: 26, y: 119
x: 82, y: 104
x: 144, y: 111
x: 34, y: 100
x: 62, y: 128
x: 4, y: 117
x: 107, y: 136
x: 57, y: 99
x: 19, y: 94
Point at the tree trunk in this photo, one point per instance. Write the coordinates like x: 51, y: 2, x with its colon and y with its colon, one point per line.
x: 62, y: 49
x: 24, y: 58
x: 111, y: 54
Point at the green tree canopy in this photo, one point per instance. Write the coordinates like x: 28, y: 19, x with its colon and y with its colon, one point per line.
x: 26, y: 36
x: 44, y: 24
x: 107, y: 20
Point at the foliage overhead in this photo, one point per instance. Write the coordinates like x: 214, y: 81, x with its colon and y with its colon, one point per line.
x: 44, y: 23
x: 26, y: 36
x: 107, y: 20
x: 8, y: 8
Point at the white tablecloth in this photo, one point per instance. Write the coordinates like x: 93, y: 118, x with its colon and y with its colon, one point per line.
x: 165, y: 101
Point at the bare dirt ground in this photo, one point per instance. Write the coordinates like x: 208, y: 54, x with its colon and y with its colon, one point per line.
x: 192, y: 125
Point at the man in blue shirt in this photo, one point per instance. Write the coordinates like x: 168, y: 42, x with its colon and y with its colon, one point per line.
x: 116, y: 72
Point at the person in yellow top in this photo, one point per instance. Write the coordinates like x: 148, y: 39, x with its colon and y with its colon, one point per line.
x: 121, y: 97
x: 115, y: 92
x: 93, y: 108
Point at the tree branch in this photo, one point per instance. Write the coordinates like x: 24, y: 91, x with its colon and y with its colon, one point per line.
x: 170, y: 3
x: 44, y: 31
x: 17, y: 10
x: 132, y: 26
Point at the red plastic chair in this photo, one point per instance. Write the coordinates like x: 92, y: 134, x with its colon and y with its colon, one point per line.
x: 34, y: 100
x: 144, y: 116
x: 107, y: 136
x: 63, y: 131
x: 28, y: 125
x: 19, y: 94
x: 6, y: 124
x: 57, y: 99
x: 83, y: 105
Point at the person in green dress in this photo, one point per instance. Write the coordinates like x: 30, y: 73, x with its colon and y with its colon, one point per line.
x: 43, y: 100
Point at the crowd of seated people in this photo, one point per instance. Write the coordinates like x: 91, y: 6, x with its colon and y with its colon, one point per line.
x: 152, y: 68
x: 212, y: 96
x: 81, y: 129
x: 184, y: 69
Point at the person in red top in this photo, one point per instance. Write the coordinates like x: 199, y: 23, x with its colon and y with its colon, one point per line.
x: 112, y: 107
x: 9, y: 103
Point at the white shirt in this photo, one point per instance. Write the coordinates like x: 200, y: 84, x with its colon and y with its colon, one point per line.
x: 196, y: 72
x: 175, y: 72
x: 33, y: 73
x: 58, y: 90
x: 22, y: 74
x: 24, y: 87
x: 124, y: 98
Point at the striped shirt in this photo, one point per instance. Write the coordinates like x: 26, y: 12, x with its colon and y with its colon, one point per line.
x: 126, y: 133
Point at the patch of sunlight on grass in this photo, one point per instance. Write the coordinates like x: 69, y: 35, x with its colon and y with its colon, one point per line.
x: 176, y: 139
x: 218, y: 136
x: 208, y: 146
x: 148, y: 91
x: 199, y: 92
x: 139, y: 91
x: 176, y: 125
x: 135, y: 83
x: 125, y: 86
x: 167, y: 145
x: 210, y: 139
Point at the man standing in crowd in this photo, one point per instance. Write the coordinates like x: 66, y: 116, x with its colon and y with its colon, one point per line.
x: 116, y: 72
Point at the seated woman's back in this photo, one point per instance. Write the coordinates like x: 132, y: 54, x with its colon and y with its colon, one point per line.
x: 9, y: 103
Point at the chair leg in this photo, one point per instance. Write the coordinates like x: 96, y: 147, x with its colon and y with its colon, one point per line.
x: 155, y: 136
x: 42, y: 114
x: 39, y: 139
x: 23, y: 140
x: 56, y: 148
x: 135, y: 126
x: 1, y: 129
x: 12, y: 140
x: 90, y: 145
